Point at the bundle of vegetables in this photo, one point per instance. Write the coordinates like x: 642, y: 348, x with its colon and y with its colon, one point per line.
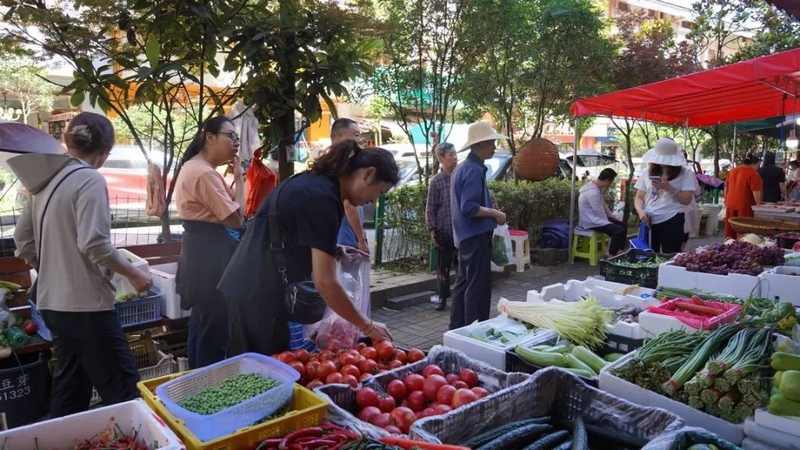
x: 785, y: 392
x: 581, y: 323
x: 544, y: 433
x: 229, y: 393
x: 500, y: 332
x: 577, y: 359
x: 9, y: 288
x: 645, y: 263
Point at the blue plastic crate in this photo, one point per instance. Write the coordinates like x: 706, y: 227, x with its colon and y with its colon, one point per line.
x: 227, y: 421
x: 140, y: 310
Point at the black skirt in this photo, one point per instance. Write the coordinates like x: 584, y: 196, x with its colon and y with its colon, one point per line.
x: 206, y: 249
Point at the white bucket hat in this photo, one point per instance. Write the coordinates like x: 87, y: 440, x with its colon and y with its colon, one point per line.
x: 480, y: 132
x: 666, y: 153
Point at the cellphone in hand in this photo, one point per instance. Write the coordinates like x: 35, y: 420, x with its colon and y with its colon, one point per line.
x: 655, y: 178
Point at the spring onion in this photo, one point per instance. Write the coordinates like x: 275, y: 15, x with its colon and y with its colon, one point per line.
x: 581, y: 323
x: 732, y: 352
x: 698, y: 358
x: 751, y: 362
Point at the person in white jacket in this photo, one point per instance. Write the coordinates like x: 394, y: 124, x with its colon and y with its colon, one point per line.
x: 594, y: 213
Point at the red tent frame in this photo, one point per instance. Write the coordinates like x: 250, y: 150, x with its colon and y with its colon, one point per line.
x: 748, y: 90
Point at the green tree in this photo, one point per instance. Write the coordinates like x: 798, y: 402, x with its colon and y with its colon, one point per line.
x: 157, y: 54
x: 719, y: 28
x: 22, y: 78
x: 296, y: 53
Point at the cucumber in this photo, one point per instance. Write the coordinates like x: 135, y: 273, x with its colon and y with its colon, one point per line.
x: 580, y: 439
x: 565, y: 446
x: 550, y: 441
x: 517, y: 437
x: 575, y: 363
x: 478, y: 440
x: 589, y: 358
x: 562, y: 349
x: 611, y: 357
x: 541, y: 359
x: 622, y: 440
x: 581, y: 372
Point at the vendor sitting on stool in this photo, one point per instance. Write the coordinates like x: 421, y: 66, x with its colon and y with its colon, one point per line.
x: 595, y: 214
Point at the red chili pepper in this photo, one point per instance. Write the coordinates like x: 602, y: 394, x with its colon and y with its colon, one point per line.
x: 305, y: 432
x: 311, y: 445
x: 271, y: 443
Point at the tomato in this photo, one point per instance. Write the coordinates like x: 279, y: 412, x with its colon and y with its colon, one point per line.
x: 351, y: 380
x: 368, y: 366
x: 359, y: 359
x: 350, y: 370
x: 385, y: 350
x: 417, y: 401
x: 325, y: 355
x: 400, y: 355
x: 334, y: 345
x: 29, y: 327
x: 442, y: 409
x: 366, y: 397
x: 391, y: 429
x: 463, y: 397
x: 403, y: 417
x: 315, y: 383
x: 365, y: 376
x: 312, y: 369
x: 369, y: 353
x: 451, y: 378
x: 286, y: 357
x: 480, y: 392
x: 394, y: 364
x: 432, y: 369
x: 382, y: 420
x: 326, y: 368
x: 299, y: 367
x: 386, y: 403
x: 415, y: 355
x: 302, y: 355
x: 414, y: 382
x: 368, y: 413
x: 347, y: 359
x: 427, y: 412
x: 360, y: 345
x: 445, y: 394
x: 397, y: 389
x: 469, y: 376
x: 460, y: 385
x: 432, y: 385
x: 333, y: 377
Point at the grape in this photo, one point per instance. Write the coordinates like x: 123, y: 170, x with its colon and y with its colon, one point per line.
x: 736, y: 257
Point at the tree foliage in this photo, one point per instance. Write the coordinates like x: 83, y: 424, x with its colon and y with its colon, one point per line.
x: 22, y: 78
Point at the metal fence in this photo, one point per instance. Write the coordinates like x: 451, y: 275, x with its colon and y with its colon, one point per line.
x: 402, y: 240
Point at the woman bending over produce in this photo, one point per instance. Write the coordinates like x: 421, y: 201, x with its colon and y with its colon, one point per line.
x: 308, y: 210
x: 663, y: 189
x: 207, y: 206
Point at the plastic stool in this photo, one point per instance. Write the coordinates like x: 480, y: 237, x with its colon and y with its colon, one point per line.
x: 588, y: 244
x: 521, y: 249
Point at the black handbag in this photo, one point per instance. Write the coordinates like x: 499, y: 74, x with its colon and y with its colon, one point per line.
x: 302, y: 300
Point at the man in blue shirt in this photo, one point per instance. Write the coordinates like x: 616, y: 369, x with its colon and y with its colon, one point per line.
x: 474, y: 220
x: 351, y: 232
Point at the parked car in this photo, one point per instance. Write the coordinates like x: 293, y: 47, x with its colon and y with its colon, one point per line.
x: 125, y: 172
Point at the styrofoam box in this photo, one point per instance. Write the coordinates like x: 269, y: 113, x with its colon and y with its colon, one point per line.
x: 788, y: 425
x: 785, y: 438
x: 493, y: 355
x: 609, y: 294
x: 121, y: 283
x: 741, y: 286
x: 752, y: 444
x: 654, y: 324
x: 733, y: 433
x: 66, y: 432
x: 781, y: 283
x: 164, y: 280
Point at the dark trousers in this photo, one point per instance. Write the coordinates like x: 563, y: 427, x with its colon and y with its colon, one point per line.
x: 667, y: 236
x: 618, y: 235
x: 91, y: 350
x: 209, y: 334
x: 472, y: 294
x: 445, y: 252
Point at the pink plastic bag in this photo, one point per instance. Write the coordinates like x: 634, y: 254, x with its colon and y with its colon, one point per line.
x: 335, y: 333
x: 730, y: 313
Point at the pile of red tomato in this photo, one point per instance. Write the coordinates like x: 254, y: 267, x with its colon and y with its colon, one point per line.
x: 347, y: 366
x: 416, y: 396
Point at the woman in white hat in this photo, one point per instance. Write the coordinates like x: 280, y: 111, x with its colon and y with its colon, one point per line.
x: 662, y: 190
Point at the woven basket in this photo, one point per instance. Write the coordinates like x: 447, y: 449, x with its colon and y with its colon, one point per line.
x: 536, y: 160
x: 762, y: 227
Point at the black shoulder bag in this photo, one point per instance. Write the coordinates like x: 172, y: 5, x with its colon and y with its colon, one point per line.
x: 301, y: 299
x: 32, y: 293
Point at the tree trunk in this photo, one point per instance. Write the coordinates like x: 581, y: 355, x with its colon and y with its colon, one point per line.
x: 285, y: 123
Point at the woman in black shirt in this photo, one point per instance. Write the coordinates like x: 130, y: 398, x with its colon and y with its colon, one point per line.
x: 309, y: 211
x: 774, y: 179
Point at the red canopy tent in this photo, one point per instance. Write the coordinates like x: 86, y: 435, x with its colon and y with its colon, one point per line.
x: 755, y: 89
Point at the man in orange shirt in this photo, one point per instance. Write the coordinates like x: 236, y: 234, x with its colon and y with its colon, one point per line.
x: 743, y: 190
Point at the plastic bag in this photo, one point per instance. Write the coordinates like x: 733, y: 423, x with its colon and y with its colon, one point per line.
x: 260, y: 182
x: 501, y: 246
x: 335, y: 333
x: 721, y: 215
x: 686, y: 437
x: 694, y: 320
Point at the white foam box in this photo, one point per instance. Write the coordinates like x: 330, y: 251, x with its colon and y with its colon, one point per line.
x: 784, y: 438
x: 653, y: 324
x: 66, y: 432
x: 741, y: 286
x: 164, y: 280
x: 734, y: 433
x: 122, y: 285
x: 494, y: 355
x: 781, y: 283
x: 752, y: 444
x: 785, y: 424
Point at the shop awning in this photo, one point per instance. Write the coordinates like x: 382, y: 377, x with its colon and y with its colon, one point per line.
x: 748, y: 90
x: 790, y: 6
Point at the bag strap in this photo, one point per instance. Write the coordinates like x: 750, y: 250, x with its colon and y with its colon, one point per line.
x: 276, y: 244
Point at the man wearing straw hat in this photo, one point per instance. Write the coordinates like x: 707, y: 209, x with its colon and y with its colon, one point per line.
x: 474, y: 220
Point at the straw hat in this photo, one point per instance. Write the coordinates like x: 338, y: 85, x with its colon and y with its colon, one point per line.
x: 480, y: 132
x: 666, y: 153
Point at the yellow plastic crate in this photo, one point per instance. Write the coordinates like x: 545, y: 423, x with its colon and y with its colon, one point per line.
x: 306, y: 410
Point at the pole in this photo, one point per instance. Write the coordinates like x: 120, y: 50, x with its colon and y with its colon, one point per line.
x: 733, y: 153
x: 572, y: 189
x: 380, y: 211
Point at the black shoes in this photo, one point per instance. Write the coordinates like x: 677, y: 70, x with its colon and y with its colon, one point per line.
x: 442, y: 305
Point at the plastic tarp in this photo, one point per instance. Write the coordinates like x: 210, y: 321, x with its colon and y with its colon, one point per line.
x: 753, y: 89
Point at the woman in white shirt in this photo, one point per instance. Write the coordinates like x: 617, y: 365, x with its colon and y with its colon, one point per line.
x: 662, y: 190
x: 794, y: 180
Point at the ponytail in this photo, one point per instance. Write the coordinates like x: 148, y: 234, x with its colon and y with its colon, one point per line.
x: 347, y: 156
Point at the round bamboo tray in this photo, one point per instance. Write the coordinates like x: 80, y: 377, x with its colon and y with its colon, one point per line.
x: 762, y: 227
